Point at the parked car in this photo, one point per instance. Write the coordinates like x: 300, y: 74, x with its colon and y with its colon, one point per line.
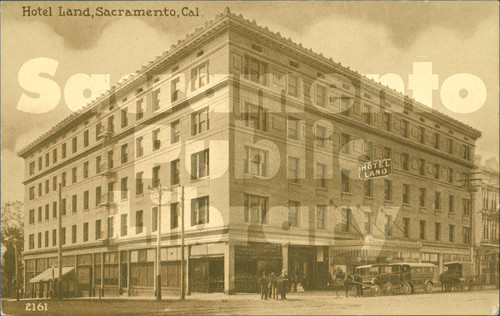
x: 458, y: 275
x: 405, y: 277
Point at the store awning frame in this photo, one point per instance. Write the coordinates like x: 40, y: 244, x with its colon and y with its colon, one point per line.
x: 51, y: 274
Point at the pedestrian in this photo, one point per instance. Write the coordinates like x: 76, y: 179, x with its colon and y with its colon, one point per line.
x: 283, y: 279
x: 263, y: 283
x: 339, y: 277
x: 273, y: 283
x: 358, y: 281
x: 348, y: 281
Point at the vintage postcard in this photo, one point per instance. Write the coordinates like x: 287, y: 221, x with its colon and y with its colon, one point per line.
x: 250, y: 157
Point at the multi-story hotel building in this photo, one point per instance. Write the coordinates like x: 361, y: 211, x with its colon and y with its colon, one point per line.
x: 488, y: 259
x: 265, y: 136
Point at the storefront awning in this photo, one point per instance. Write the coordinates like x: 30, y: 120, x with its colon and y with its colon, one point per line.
x: 50, y: 273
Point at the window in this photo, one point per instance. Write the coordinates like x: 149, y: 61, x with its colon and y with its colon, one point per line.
x: 32, y: 241
x: 421, y: 135
x: 467, y: 152
x: 199, y: 211
x: 293, y: 213
x: 39, y: 240
x: 345, y: 180
x: 110, y: 159
x: 154, y: 218
x: 156, y: 100
x: 98, y: 229
x: 73, y: 234
x: 85, y: 232
x: 174, y: 89
x: 256, y: 161
x: 367, y: 118
x: 388, y: 225
x: 421, y: 197
x: 32, y: 193
x: 39, y: 163
x: 344, y: 143
x: 54, y: 183
x: 450, y: 175
x: 156, y: 177
x: 74, y: 145
x: 466, y: 206
x: 175, y: 172
x: 451, y: 236
x: 32, y: 168
x: 74, y: 203
x: 111, y: 226
x: 437, y: 200
x: 63, y: 236
x: 199, y: 76
x: 86, y: 200
x: 47, y: 160
x: 436, y: 140
x: 174, y: 215
x: 98, y: 164
x: 86, y: 170
x: 367, y: 149
x: 321, y: 175
x: 139, y: 222
x: 422, y: 229
x: 47, y: 186
x: 200, y: 164
x: 320, y: 137
x: 54, y: 237
x: 54, y: 156
x: 406, y: 227
x: 437, y: 231
x: 139, y: 185
x: 387, y: 153
x: 32, y: 216
x: 466, y: 235
x: 293, y: 169
x: 111, y: 124
x: 404, y: 128
x: 387, y: 121
x: 124, y: 188
x: 40, y: 189
x: 139, y: 150
x: 368, y: 187
x: 156, y: 139
x: 293, y: 85
x: 293, y: 128
x: 450, y: 146
x: 421, y: 167
x: 255, y: 116
x: 98, y: 195
x: 200, y: 122
x: 73, y: 175
x: 124, y: 153
x: 63, y: 150
x: 40, y: 214
x: 437, y: 170
x: 111, y: 193
x: 175, y: 131
x: 346, y: 219
x: 86, y: 138
x: 124, y: 117
x: 98, y: 131
x: 123, y: 225
x: 368, y: 223
x: 54, y: 209
x: 406, y: 162
x: 320, y: 95
x: 451, y: 203
x: 320, y: 216
x: 255, y: 70
x: 388, y: 190
x: 345, y: 105
x: 406, y: 193
x: 139, y: 110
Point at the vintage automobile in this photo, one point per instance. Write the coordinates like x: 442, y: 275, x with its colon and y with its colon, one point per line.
x: 368, y: 274
x: 405, y: 277
x: 457, y: 275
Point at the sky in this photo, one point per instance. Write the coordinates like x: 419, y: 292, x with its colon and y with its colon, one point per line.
x: 369, y: 37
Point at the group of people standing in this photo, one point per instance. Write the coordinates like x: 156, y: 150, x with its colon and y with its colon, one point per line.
x: 273, y: 285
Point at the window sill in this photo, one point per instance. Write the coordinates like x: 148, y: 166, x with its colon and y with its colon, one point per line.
x: 346, y: 195
x: 423, y: 210
x: 199, y: 179
x: 451, y: 215
x: 438, y: 213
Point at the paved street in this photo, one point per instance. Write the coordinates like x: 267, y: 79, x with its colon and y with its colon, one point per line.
x: 325, y: 303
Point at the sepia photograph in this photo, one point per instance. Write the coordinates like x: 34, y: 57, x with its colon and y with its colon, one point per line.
x: 250, y: 157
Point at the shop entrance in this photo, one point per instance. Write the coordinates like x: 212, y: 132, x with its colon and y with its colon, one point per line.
x: 308, y: 267
x: 206, y: 274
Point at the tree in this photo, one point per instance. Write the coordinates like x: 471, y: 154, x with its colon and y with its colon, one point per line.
x: 12, y: 234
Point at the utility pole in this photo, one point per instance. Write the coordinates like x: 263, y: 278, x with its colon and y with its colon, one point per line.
x: 183, y: 279
x: 59, y: 245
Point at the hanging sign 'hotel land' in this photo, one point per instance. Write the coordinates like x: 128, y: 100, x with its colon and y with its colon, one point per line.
x: 375, y: 169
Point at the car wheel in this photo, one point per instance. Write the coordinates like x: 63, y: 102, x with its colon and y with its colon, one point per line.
x: 407, y: 288
x: 376, y: 290
x: 428, y: 287
x: 387, y: 289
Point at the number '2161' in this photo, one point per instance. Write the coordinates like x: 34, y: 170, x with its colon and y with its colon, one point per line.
x: 33, y: 307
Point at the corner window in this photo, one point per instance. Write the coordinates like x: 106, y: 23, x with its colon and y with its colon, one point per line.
x: 256, y: 161
x: 199, y: 211
x: 200, y: 164
x: 200, y: 122
x: 256, y: 208
x: 199, y: 76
